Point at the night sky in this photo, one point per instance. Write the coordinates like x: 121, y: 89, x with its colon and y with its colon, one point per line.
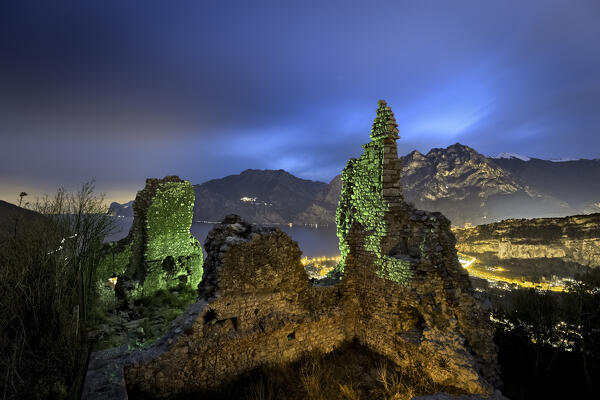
x: 124, y: 90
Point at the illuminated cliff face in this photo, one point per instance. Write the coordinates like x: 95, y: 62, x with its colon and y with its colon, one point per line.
x: 366, y: 184
x: 574, y: 239
x: 159, y: 252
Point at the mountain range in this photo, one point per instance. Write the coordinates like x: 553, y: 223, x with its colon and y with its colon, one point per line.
x: 264, y: 196
x: 463, y: 184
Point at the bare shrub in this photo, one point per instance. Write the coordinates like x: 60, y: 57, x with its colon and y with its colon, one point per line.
x: 46, y: 290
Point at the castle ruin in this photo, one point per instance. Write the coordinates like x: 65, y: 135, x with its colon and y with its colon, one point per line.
x: 159, y: 252
x: 403, y: 294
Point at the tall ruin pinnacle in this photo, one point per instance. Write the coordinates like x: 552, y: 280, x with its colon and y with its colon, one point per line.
x: 384, y: 125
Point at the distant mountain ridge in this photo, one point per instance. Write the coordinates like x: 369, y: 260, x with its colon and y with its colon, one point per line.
x: 121, y: 210
x: 263, y: 196
x: 467, y: 186
x: 576, y: 182
x: 463, y: 184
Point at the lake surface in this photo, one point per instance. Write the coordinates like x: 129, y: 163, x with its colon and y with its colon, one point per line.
x: 312, y: 242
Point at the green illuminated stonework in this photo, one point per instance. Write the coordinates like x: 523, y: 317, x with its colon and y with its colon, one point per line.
x: 159, y: 252
x: 370, y: 185
x: 117, y: 256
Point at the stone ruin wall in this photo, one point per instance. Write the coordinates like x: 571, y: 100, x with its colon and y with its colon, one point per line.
x: 423, y: 309
x: 257, y: 308
x: 159, y: 252
x: 403, y: 294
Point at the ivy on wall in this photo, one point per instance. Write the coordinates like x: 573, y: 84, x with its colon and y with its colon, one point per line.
x: 362, y: 201
x: 114, y: 263
x: 172, y: 256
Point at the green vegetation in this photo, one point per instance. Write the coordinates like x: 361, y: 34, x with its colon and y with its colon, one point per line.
x: 159, y: 264
x: 160, y: 253
x: 172, y: 254
x: 116, y: 257
x: 47, y: 291
x: 170, y: 299
x: 362, y: 201
x: 55, y: 293
x: 384, y: 124
x: 142, y: 322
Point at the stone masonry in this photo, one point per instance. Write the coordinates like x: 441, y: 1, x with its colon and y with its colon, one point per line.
x: 415, y: 302
x: 256, y: 306
x: 159, y: 251
x: 403, y: 294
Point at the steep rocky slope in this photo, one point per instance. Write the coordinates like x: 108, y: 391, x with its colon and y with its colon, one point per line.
x: 469, y: 187
x: 321, y: 211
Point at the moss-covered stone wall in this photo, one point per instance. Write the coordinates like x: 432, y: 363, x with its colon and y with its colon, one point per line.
x: 365, y: 186
x: 171, y: 255
x: 159, y: 252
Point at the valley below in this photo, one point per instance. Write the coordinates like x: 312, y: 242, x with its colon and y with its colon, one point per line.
x: 543, y: 253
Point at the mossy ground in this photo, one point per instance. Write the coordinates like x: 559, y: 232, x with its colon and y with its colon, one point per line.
x: 153, y: 314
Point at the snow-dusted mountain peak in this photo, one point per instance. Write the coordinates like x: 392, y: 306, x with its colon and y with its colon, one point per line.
x: 512, y: 155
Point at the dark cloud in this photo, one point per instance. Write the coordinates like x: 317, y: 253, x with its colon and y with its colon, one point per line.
x: 124, y: 90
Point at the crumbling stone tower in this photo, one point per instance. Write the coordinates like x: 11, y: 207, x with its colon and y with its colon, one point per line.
x: 414, y: 301
x: 159, y: 252
x: 164, y: 253
x: 370, y: 188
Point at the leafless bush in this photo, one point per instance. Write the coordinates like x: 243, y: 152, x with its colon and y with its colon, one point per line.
x: 46, y: 276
